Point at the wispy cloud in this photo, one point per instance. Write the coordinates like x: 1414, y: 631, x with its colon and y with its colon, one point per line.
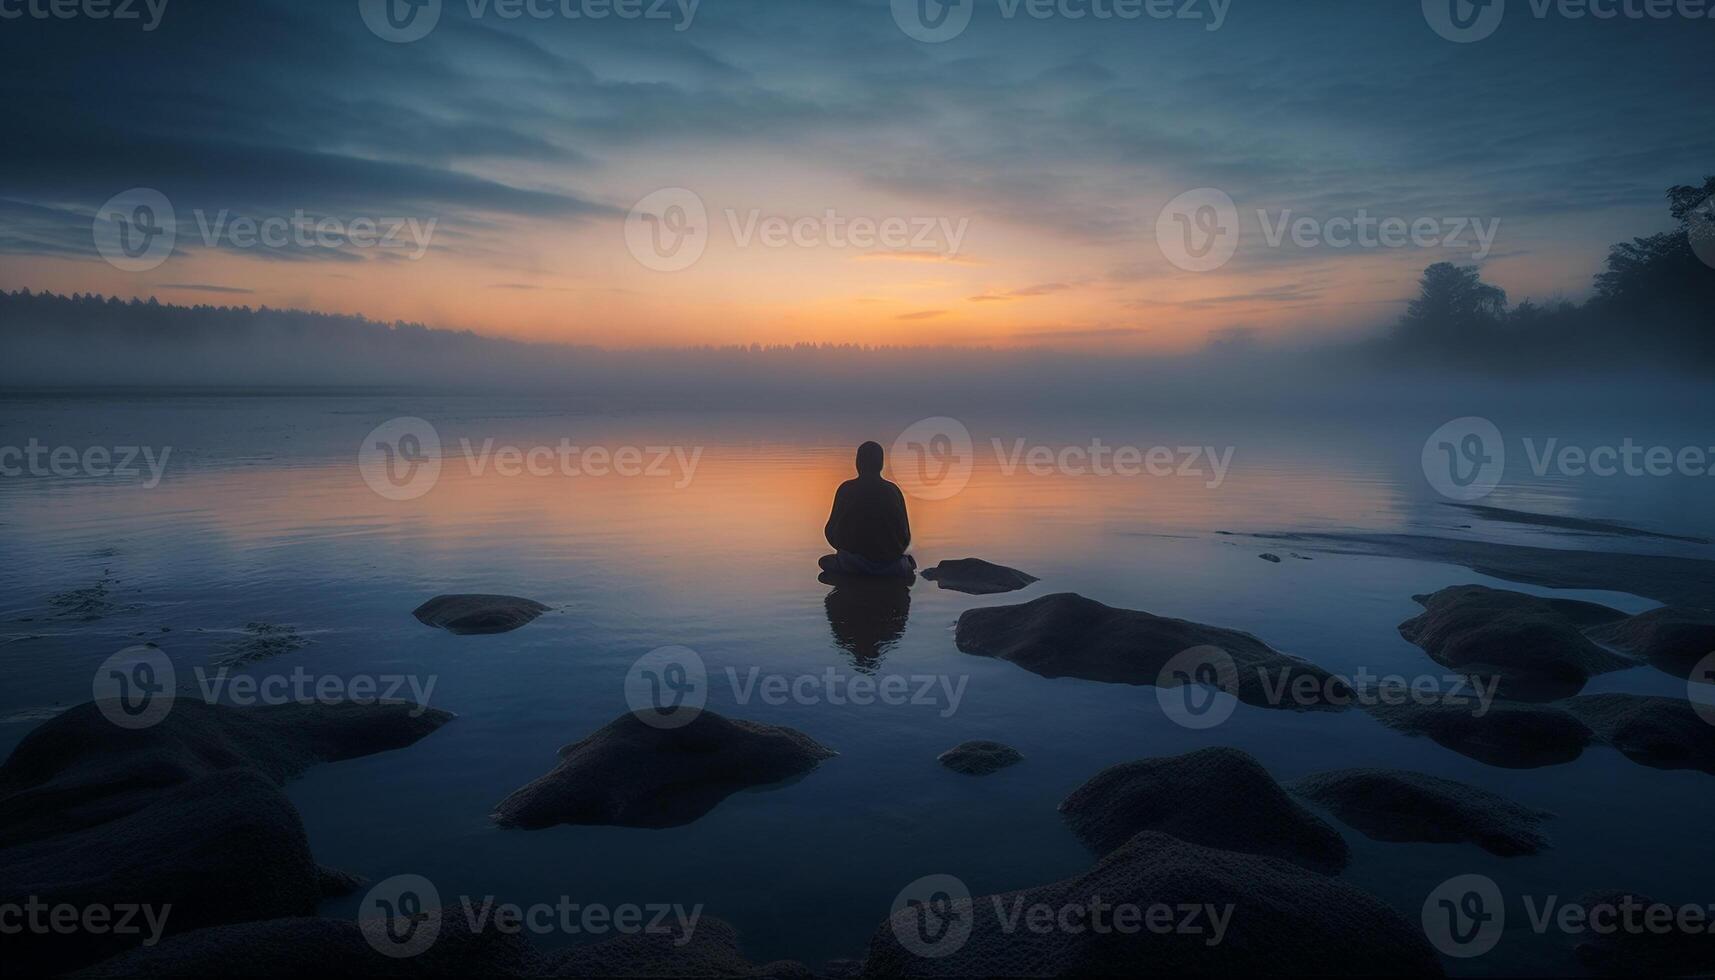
x: 1044, y: 289
x: 919, y: 255
x: 204, y: 287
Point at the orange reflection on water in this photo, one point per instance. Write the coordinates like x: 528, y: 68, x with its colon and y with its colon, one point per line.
x: 739, y: 510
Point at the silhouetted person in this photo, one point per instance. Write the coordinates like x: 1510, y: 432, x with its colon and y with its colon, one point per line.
x: 868, y: 528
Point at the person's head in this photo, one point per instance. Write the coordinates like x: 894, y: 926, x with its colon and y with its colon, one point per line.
x: 869, y: 459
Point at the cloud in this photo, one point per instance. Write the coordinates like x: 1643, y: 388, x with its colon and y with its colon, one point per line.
x: 909, y: 255
x: 203, y: 287
x: 1043, y: 289
x: 34, y: 229
x: 1092, y: 333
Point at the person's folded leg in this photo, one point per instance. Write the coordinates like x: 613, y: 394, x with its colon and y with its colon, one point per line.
x: 848, y: 563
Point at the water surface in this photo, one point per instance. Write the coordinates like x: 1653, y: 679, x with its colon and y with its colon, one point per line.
x: 263, y: 517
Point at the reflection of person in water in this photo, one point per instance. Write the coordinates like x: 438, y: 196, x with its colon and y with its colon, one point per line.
x: 868, y: 527
x: 867, y: 615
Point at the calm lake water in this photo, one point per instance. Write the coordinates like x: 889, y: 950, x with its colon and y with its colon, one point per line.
x: 263, y: 516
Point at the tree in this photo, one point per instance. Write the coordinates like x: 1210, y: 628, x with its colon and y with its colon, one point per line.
x: 1453, y: 304
x: 1659, y: 290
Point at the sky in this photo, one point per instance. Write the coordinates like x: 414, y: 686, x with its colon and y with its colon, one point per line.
x: 1079, y: 174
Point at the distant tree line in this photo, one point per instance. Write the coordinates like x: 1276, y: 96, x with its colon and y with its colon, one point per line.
x: 1654, y: 303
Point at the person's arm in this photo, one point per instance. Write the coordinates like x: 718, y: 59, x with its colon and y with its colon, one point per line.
x: 836, y: 518
x: 904, y: 519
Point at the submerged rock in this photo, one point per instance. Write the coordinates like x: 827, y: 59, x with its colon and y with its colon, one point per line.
x: 79, y: 769
x: 979, y: 757
x: 1251, y: 915
x: 1391, y: 805
x: 1665, y: 578
x: 977, y: 577
x: 1672, y: 639
x: 1640, y: 951
x: 226, y: 847
x: 1511, y: 735
x: 1067, y: 635
x: 473, y: 613
x: 91, y: 602
x: 335, y: 882
x: 632, y: 774
x: 1586, y: 525
x: 1664, y: 733
x: 1270, y: 556
x: 261, y: 641
x: 1535, y: 647
x: 186, y: 813
x: 1218, y: 797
